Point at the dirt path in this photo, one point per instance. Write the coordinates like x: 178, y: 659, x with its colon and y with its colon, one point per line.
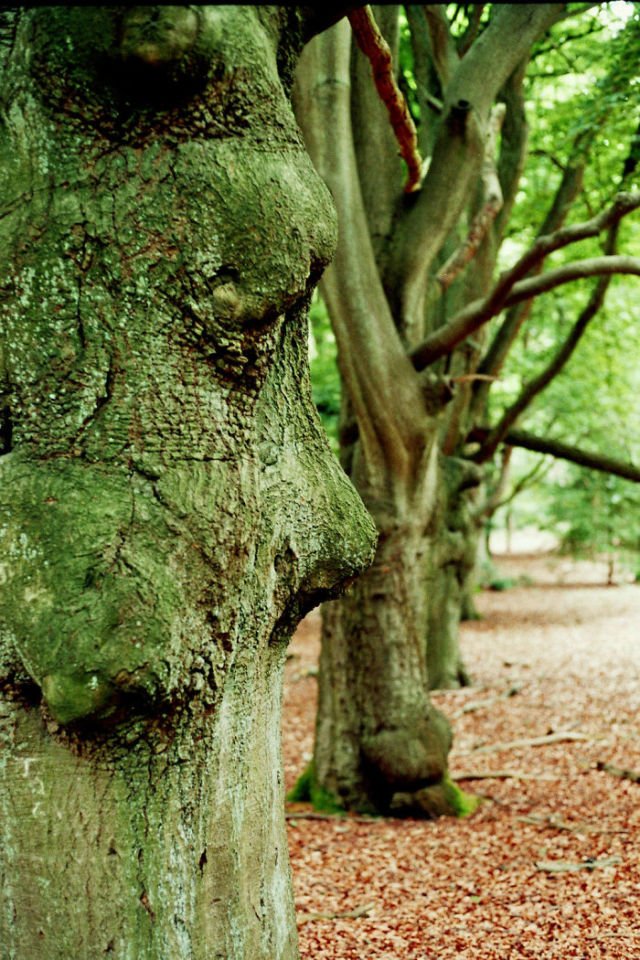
x: 547, y: 867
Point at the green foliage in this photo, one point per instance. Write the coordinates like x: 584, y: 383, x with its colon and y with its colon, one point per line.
x: 325, y: 379
x: 583, y: 105
x: 596, y: 513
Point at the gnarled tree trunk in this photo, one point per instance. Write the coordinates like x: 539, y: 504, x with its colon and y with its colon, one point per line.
x: 169, y: 506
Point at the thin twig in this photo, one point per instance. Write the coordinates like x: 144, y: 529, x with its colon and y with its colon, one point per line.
x: 354, y: 914
x: 340, y: 817
x: 568, y: 866
x: 620, y: 772
x: 560, y: 737
x: 501, y: 775
x: 556, y: 824
x: 376, y: 49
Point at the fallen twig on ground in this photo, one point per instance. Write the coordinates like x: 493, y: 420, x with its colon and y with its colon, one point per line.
x: 501, y: 775
x: 343, y: 817
x: 474, y: 705
x: 568, y: 866
x: 620, y: 772
x: 560, y: 737
x: 552, y: 821
x: 362, y: 911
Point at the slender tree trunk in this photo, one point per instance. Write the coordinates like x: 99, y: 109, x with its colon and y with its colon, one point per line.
x: 169, y: 506
x: 449, y: 566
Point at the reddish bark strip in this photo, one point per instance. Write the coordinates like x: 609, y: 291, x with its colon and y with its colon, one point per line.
x: 376, y: 49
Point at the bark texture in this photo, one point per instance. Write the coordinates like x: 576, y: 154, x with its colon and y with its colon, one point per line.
x: 169, y: 507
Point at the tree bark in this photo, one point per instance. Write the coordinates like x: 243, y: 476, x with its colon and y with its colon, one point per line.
x: 169, y: 506
x: 377, y: 734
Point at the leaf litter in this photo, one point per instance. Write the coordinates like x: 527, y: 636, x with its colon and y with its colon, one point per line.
x: 549, y: 865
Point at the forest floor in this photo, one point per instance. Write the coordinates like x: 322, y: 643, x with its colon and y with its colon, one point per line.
x: 549, y: 865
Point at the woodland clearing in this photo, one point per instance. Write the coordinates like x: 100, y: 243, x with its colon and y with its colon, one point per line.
x: 549, y: 865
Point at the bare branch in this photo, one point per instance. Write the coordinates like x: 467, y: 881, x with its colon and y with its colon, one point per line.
x: 576, y: 270
x: 563, y: 451
x: 509, y: 291
x: 491, y: 205
x: 376, y: 49
x: 569, y: 188
x: 471, y: 32
x: 540, y: 469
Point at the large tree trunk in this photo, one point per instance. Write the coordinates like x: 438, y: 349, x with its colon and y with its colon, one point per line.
x: 380, y: 745
x: 377, y: 734
x: 169, y: 507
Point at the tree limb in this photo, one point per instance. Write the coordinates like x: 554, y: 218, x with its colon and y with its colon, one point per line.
x: 563, y: 451
x: 568, y: 866
x: 459, y: 149
x: 509, y: 291
x: 562, y: 356
x: 372, y: 358
x: 550, y: 738
x: 443, y: 50
x: 620, y: 772
x: 470, y: 34
x: 376, y: 49
x: 501, y: 775
x: 569, y: 188
x: 381, y: 170
x: 576, y: 270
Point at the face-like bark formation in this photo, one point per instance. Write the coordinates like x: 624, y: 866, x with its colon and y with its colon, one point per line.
x: 168, y: 504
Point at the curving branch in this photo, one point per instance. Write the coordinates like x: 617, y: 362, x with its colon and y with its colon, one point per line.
x: 373, y: 361
x: 511, y: 288
x: 535, y: 386
x: 569, y: 188
x: 563, y: 451
x: 376, y: 49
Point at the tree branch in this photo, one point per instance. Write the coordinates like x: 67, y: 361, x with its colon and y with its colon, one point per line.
x: 491, y: 205
x: 443, y: 50
x: 381, y: 171
x: 553, y: 368
x: 472, y: 30
x: 376, y: 49
x: 569, y: 188
x: 459, y: 149
x: 576, y: 270
x: 509, y: 291
x: 372, y: 358
x: 563, y: 451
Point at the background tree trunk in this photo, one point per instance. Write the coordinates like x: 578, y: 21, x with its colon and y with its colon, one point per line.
x: 169, y: 506
x: 377, y: 733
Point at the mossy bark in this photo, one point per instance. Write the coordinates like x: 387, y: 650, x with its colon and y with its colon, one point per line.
x: 169, y: 506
